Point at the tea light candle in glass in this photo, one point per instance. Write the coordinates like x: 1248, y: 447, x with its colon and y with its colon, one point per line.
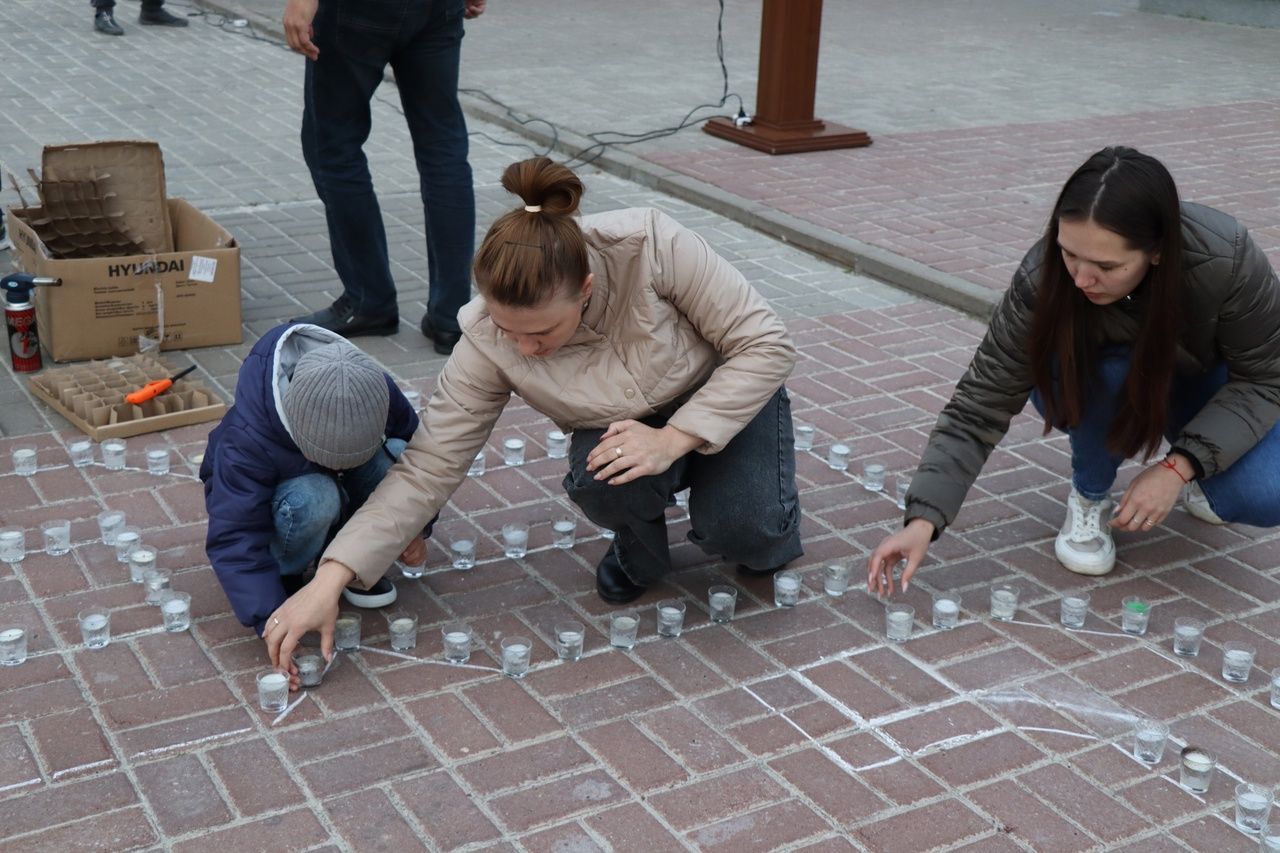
x: 310, y: 669
x: 569, y: 639
x: 557, y: 444
x: 515, y: 540
x: 413, y: 398
x: 156, y: 581
x: 1149, y: 738
x: 346, y: 632
x: 113, y: 454
x: 902, y: 485
x: 1237, y: 662
x: 1196, y: 769
x: 1275, y: 688
x: 682, y: 498
x: 804, y: 437
x: 456, y: 637
x: 157, y: 460
x: 463, y: 552
x: 835, y: 579
x: 622, y: 631
x: 95, y: 627
x: 1073, y: 610
x: 607, y: 534
x: 127, y: 538
x: 477, y: 466
x: 13, y: 544
x: 873, y: 477
x: 1270, y: 840
x: 273, y: 691
x: 1004, y: 602
x: 516, y: 652
x: 513, y: 451
x: 141, y: 561
x: 404, y: 631
x: 946, y: 610
x: 1253, y: 806
x: 109, y: 523
x: 1134, y: 615
x: 786, y: 589
x: 721, y: 601
x: 670, y: 617
x: 564, y: 532
x: 898, y: 621
x: 414, y: 570
x: 1188, y: 633
x: 81, y: 452
x: 175, y: 609
x: 838, y: 457
x: 57, y: 537
x: 24, y: 461
x: 13, y: 646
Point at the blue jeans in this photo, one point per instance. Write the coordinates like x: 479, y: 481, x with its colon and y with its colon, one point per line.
x: 743, y: 503
x: 307, y: 508
x: 1248, y: 492
x: 422, y: 42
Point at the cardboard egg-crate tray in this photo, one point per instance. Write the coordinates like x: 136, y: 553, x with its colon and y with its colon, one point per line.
x: 92, y: 396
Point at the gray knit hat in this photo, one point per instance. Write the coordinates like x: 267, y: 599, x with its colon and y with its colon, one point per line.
x: 336, y: 404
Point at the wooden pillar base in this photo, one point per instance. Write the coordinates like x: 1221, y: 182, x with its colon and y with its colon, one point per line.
x: 813, y: 136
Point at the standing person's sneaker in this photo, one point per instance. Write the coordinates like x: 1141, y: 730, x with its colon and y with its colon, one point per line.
x: 105, y: 22
x: 1085, y: 545
x: 380, y: 594
x: 1194, y: 502
x: 158, y: 17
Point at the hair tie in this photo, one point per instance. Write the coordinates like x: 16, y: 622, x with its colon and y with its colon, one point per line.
x: 533, y: 208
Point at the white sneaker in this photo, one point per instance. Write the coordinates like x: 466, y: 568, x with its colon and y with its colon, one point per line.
x: 1194, y: 502
x: 1085, y: 545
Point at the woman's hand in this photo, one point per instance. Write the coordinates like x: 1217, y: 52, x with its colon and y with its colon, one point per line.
x: 1148, y: 499
x: 629, y: 449
x: 910, y: 543
x: 312, y: 608
x: 415, y: 553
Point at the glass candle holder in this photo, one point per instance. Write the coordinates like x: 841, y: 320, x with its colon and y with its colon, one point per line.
x: 570, y: 637
x: 157, y: 460
x: 273, y: 691
x: 682, y: 498
x: 1196, y: 769
x: 413, y: 398
x: 456, y: 637
x: 414, y: 570
x: 564, y: 532
x: 838, y: 457
x: 110, y: 521
x: 1253, y: 806
x: 13, y: 544
x: 607, y: 534
x: 622, y: 631
x: 1073, y: 610
x: 403, y: 628
x: 1270, y: 840
x: 462, y: 550
x: 175, y: 610
x: 946, y: 610
x: 1188, y: 633
x: 310, y: 669
x: 786, y: 589
x: 898, y: 621
x: 113, y: 454
x: 513, y: 451
x: 901, y: 485
x: 873, y: 477
x: 81, y: 452
x: 13, y: 646
x: 516, y: 652
x: 835, y: 579
x: 1275, y: 688
x: 346, y: 632
x: 127, y: 538
x: 557, y: 444
x: 1149, y: 737
x: 1134, y: 615
x: 1004, y: 602
x: 141, y: 560
x: 515, y: 540
x: 804, y: 436
x: 57, y: 537
x: 1237, y: 662
x: 95, y: 627
x: 24, y: 461
x: 477, y: 466
x: 722, y: 601
x: 156, y: 582
x: 670, y: 617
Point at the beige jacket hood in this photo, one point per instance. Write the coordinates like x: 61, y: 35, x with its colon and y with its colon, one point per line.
x: 671, y: 328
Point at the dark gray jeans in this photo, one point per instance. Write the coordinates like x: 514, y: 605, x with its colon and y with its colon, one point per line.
x: 743, y: 504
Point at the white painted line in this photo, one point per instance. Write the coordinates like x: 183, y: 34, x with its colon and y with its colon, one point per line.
x: 81, y: 767
x: 289, y: 708
x: 196, y: 742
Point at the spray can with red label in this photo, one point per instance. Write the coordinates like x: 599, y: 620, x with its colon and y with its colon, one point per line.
x: 20, y: 319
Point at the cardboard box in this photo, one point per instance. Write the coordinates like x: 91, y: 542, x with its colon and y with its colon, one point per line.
x: 92, y: 396
x: 104, y: 304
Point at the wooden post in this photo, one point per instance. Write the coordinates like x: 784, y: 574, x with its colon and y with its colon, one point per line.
x: 790, y: 32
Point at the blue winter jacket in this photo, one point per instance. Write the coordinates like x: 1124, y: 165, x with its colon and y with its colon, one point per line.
x: 249, y: 454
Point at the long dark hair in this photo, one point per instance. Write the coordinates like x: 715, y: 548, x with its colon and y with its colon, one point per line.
x: 1132, y: 194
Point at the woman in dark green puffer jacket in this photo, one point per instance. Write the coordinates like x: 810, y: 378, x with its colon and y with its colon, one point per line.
x: 1136, y: 320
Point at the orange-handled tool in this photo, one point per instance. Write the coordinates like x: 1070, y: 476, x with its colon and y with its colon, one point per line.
x: 155, y: 388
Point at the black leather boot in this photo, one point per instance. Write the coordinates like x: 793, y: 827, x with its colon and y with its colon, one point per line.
x: 612, y: 583
x: 158, y: 17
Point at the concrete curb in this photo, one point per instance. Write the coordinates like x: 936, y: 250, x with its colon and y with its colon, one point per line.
x: 863, y: 258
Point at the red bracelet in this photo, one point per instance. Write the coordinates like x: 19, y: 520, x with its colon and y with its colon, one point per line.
x: 1168, y: 463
